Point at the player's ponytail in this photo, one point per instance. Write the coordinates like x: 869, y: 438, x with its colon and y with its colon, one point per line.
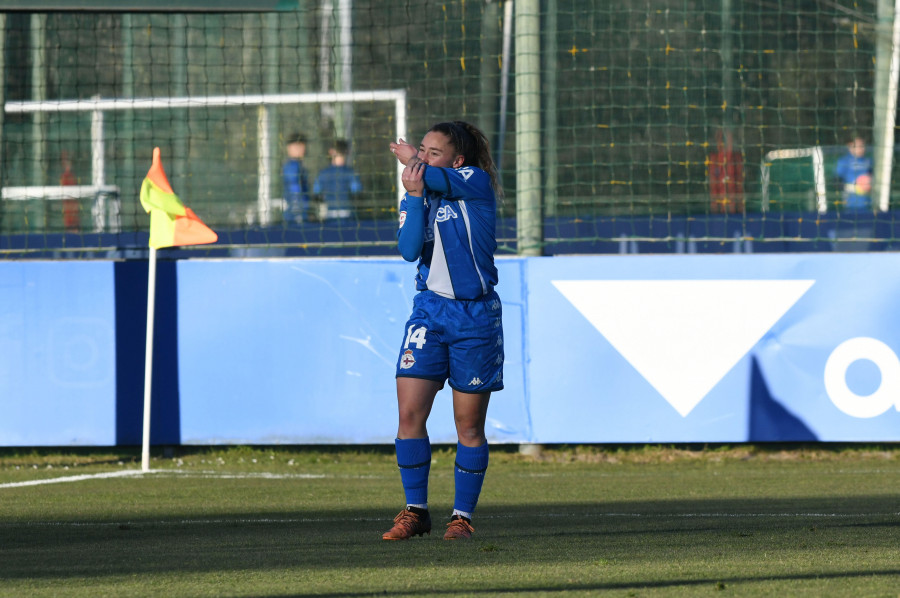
x: 473, y: 146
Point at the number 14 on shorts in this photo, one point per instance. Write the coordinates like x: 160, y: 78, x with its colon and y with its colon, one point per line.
x: 415, y: 336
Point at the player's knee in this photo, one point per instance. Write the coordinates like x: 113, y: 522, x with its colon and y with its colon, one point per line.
x: 470, y: 433
x: 412, y: 420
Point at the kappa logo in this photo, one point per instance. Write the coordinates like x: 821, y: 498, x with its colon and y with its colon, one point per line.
x: 476, y: 381
x: 444, y: 213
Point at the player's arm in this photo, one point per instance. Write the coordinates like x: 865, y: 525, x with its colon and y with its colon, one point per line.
x: 303, y: 182
x: 404, y: 151
x: 411, y: 236
x: 291, y: 175
x: 458, y: 183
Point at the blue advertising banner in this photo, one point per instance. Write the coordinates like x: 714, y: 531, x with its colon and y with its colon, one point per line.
x: 714, y: 348
x: 599, y: 349
x: 57, y: 354
x: 304, y: 351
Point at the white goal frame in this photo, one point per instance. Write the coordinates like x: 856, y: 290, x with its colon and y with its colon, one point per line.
x: 97, y: 106
x: 818, y: 173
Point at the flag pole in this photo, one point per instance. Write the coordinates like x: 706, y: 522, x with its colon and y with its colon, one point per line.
x: 148, y: 359
x: 171, y: 225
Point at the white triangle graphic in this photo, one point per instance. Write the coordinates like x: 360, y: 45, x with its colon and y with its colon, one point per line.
x: 683, y: 336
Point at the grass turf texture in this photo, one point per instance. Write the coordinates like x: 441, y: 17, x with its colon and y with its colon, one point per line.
x: 639, y: 521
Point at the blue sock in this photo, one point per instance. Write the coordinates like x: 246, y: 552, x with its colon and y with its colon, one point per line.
x: 471, y: 464
x: 414, y: 460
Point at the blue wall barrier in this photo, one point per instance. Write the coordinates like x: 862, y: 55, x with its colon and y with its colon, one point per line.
x: 714, y: 348
x: 57, y: 353
x: 304, y: 351
x: 769, y: 232
x: 618, y: 349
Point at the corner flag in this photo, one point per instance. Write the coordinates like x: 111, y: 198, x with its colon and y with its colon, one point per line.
x: 171, y: 224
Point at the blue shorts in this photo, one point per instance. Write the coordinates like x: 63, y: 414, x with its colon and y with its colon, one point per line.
x: 456, y: 340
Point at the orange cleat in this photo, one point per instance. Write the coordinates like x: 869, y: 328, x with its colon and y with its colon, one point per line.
x: 408, y: 524
x: 458, y: 529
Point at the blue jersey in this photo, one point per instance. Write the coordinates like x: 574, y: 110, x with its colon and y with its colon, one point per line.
x: 849, y: 168
x: 336, y: 185
x: 296, y: 190
x: 453, y: 234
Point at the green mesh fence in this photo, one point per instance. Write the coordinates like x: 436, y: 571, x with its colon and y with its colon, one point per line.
x: 658, y: 119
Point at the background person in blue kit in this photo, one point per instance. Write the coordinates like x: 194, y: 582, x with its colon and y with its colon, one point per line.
x: 295, y: 180
x: 337, y: 185
x: 455, y: 332
x: 854, y: 169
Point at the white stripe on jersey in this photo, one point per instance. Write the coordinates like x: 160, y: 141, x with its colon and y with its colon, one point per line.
x: 465, y: 214
x: 438, y: 279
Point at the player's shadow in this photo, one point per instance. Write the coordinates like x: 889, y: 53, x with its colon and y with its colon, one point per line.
x: 340, y: 541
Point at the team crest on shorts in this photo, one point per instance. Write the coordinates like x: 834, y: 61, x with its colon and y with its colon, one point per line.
x: 407, y: 361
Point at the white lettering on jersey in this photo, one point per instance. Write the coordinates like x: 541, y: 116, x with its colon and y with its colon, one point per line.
x: 466, y: 172
x: 444, y: 213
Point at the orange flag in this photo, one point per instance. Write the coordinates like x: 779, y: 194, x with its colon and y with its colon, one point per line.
x: 171, y: 224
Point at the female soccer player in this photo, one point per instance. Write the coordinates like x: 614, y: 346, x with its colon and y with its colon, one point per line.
x: 455, y: 332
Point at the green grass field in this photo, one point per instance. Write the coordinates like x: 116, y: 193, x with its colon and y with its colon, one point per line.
x: 573, y: 521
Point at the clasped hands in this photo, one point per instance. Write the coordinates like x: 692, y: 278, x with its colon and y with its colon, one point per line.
x: 414, y: 168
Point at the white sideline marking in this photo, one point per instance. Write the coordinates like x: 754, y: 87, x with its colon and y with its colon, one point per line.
x: 265, y: 520
x: 73, y: 478
x: 294, y: 520
x: 247, y: 475
x: 138, y: 472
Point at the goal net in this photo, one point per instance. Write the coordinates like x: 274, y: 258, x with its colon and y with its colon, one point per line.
x: 236, y: 185
x: 648, y: 122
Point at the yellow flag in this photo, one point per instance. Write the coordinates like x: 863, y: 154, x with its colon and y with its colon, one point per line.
x: 171, y: 224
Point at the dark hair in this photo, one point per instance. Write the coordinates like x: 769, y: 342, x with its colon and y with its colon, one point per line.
x: 342, y: 147
x: 295, y: 138
x: 473, y: 146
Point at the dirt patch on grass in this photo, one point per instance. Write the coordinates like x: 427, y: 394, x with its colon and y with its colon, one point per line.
x: 707, y: 453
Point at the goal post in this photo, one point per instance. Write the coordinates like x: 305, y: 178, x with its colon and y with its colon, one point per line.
x: 105, y: 201
x: 804, y: 178
x: 144, y: 5
x: 98, y: 106
x: 816, y: 173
